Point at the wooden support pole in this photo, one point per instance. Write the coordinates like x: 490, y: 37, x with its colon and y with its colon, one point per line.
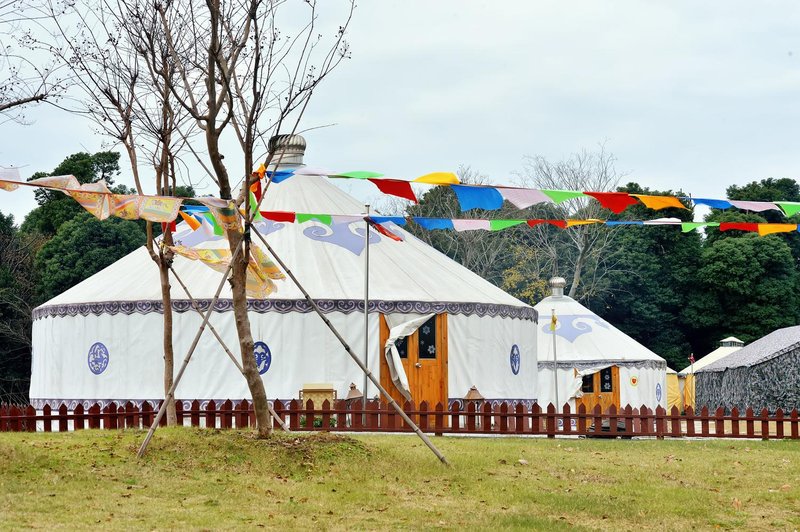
x: 179, y: 376
x: 350, y: 352
x: 225, y: 346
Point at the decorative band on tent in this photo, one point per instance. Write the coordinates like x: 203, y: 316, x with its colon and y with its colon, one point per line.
x: 285, y: 306
x: 583, y: 364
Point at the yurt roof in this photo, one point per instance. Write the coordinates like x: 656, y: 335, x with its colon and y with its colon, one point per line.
x: 328, y: 260
x: 582, y: 335
x: 715, y: 355
x: 765, y: 348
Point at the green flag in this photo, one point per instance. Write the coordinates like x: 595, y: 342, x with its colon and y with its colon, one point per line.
x: 790, y: 208
x: 301, y: 217
x: 217, y: 228
x: 254, y: 207
x: 689, y: 226
x: 559, y: 196
x: 360, y: 174
x: 499, y: 225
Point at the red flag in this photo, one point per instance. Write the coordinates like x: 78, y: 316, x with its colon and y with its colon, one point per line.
x: 255, y: 188
x: 395, y: 187
x: 691, y: 358
x: 558, y: 223
x: 172, y: 226
x: 616, y: 202
x: 741, y: 226
x: 382, y: 230
x: 278, y: 216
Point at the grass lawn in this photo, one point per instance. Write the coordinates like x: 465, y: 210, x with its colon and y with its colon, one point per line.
x: 194, y: 478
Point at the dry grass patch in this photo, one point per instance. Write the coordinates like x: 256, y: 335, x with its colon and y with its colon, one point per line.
x: 195, y: 478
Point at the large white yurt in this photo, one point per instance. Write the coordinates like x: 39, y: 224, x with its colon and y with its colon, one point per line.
x: 594, y: 362
x: 102, y: 339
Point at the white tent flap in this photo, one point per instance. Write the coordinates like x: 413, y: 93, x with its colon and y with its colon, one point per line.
x: 400, y: 326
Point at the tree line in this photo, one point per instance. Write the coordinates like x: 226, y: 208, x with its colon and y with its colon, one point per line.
x: 676, y: 293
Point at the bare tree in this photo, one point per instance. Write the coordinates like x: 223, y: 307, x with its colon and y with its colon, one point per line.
x: 23, y: 80
x: 585, y: 252
x: 485, y: 253
x: 122, y: 91
x: 229, y: 67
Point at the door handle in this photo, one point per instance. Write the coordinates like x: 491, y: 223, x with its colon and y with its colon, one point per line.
x: 418, y: 365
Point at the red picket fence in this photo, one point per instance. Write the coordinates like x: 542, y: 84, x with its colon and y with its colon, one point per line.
x: 482, y: 418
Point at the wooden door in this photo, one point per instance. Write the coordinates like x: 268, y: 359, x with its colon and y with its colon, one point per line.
x: 601, y: 388
x: 424, y: 357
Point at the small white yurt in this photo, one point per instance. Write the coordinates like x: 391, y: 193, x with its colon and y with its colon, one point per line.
x: 590, y: 361
x: 102, y: 339
x: 727, y: 346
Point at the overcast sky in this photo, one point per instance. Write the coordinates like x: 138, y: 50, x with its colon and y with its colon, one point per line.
x: 688, y: 95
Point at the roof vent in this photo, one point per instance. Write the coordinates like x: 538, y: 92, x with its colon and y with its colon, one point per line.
x: 731, y: 341
x: 289, y: 149
x: 557, y: 285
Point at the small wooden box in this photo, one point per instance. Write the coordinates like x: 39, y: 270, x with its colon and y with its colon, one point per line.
x: 318, y: 392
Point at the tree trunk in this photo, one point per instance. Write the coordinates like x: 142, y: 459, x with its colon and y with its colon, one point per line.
x: 576, y: 276
x: 169, y: 357
x: 254, y: 383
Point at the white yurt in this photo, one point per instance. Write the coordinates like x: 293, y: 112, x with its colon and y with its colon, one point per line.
x: 592, y: 362
x: 102, y: 339
x: 727, y: 346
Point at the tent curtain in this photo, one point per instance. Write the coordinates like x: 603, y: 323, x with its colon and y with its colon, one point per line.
x: 400, y: 326
x: 688, y: 391
x: 673, y: 392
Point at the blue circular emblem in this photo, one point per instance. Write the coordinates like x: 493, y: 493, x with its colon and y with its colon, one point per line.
x: 658, y: 392
x: 263, y: 357
x: 515, y: 359
x: 98, y: 358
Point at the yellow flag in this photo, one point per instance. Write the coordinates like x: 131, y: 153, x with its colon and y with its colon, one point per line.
x: 553, y: 322
x: 438, y: 178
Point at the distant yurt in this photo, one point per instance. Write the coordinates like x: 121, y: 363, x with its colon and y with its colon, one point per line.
x: 102, y: 339
x: 727, y: 346
x: 594, y: 362
x: 762, y: 374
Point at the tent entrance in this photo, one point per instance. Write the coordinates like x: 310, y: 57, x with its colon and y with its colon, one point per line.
x: 424, y: 358
x: 600, y: 388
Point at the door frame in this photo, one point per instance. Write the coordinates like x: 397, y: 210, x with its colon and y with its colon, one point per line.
x: 590, y: 399
x: 441, y: 361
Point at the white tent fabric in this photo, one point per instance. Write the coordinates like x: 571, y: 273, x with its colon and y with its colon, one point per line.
x: 101, y: 339
x: 585, y: 344
x: 719, y: 353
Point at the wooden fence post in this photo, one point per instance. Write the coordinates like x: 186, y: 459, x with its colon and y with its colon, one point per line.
x: 675, y: 422
x: 794, y: 424
x: 211, y: 415
x: 704, y: 422
x: 326, y: 415
x: 78, y: 423
x: 63, y: 419
x: 227, y: 414
x: 627, y: 413
x: 550, y: 420
x: 566, y: 419
x: 750, y: 425
x: 764, y: 424
x: 689, y: 416
x: 294, y: 416
x: 779, y: 423
x: 613, y: 420
x: 48, y: 418
x: 94, y: 416
x: 735, y: 419
x: 520, y: 423
x: 194, y: 413
x: 439, y: 419
x: 455, y: 417
x: 423, y: 416
x: 719, y: 422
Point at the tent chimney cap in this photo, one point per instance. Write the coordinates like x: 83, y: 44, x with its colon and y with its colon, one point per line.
x: 473, y: 395
x: 354, y: 393
x: 293, y: 147
x: 557, y: 285
x: 731, y: 341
